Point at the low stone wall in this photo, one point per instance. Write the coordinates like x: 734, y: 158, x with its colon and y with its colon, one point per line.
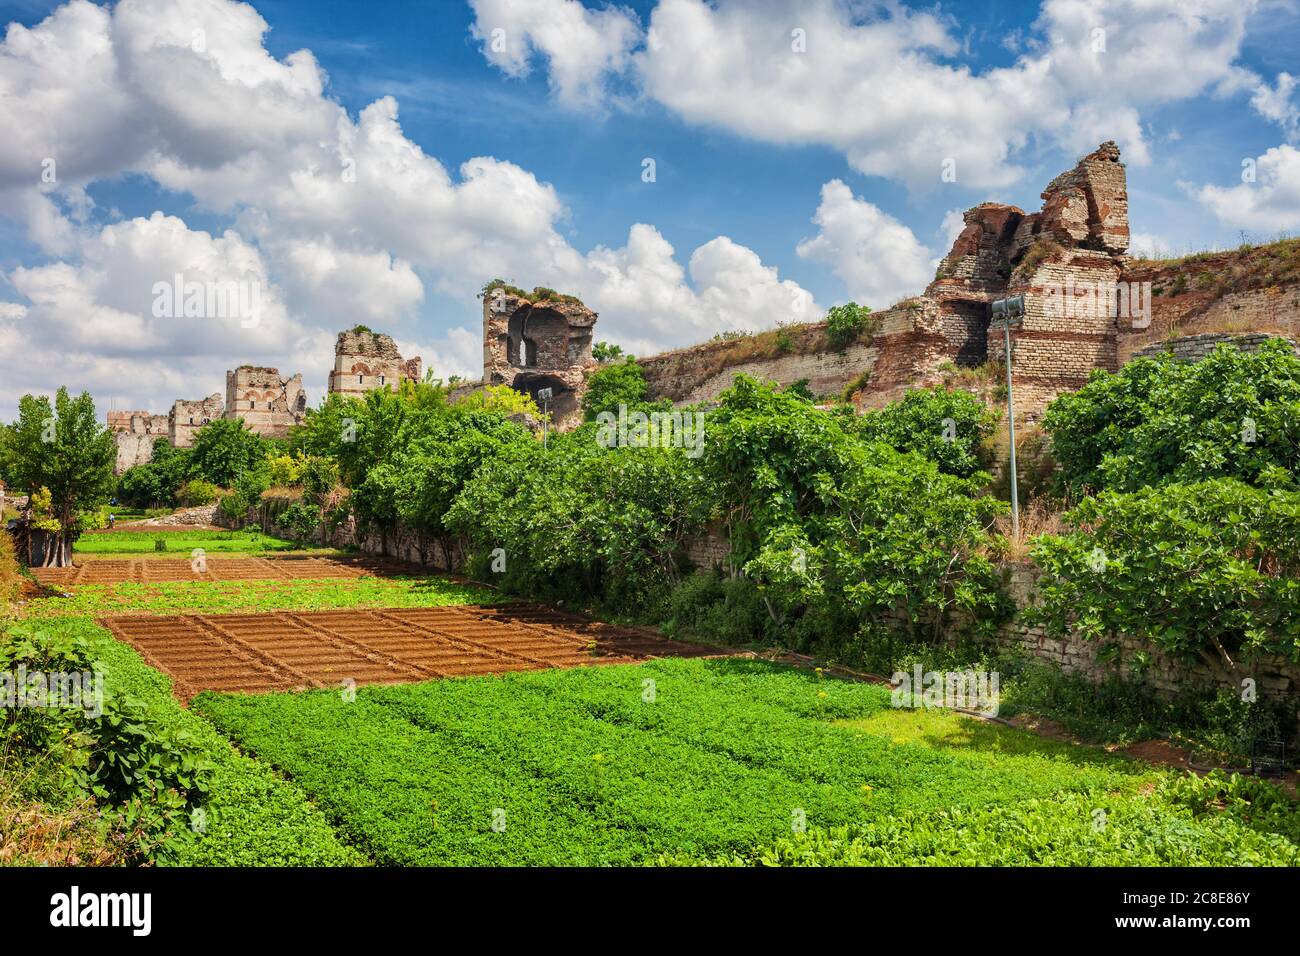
x: 400, y: 543
x: 1193, y: 348
x: 1274, y: 676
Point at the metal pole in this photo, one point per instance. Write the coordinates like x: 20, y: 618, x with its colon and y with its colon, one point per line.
x: 1011, y: 424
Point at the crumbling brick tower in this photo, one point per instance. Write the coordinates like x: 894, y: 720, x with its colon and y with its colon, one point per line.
x: 267, y: 401
x: 1066, y: 259
x: 536, y: 343
x: 365, y: 360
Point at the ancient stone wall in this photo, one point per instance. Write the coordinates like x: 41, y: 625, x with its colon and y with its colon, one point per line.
x: 1057, y: 258
x: 1193, y: 348
x: 906, y: 344
x: 268, y: 402
x: 135, y: 432
x: 187, y: 417
x: 1274, y: 676
x: 368, y: 360
x: 1271, y: 310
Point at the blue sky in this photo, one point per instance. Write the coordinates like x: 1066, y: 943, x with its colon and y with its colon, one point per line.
x: 214, y: 156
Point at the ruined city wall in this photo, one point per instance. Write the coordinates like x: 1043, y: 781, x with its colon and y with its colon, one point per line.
x: 904, y: 344
x: 187, y: 417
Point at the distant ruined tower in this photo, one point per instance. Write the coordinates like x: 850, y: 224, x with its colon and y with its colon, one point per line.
x: 135, y: 432
x: 538, y: 342
x: 365, y: 360
x: 187, y: 417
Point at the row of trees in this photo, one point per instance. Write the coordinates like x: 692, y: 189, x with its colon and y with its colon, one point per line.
x: 834, y: 518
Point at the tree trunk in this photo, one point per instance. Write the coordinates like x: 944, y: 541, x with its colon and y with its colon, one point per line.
x: 58, y: 551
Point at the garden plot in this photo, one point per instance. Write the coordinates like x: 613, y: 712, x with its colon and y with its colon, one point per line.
x: 289, y: 651
x: 152, y: 570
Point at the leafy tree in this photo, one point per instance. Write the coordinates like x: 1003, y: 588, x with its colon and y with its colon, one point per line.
x: 504, y: 399
x: 605, y: 352
x: 766, y: 453
x: 845, y: 324
x: 224, y: 449
x: 62, y: 448
x: 949, y: 427
x: 582, y: 522
x: 838, y: 531
x: 435, y: 453
x: 619, y: 383
x: 1234, y: 414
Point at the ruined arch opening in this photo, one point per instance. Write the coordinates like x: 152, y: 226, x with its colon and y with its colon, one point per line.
x: 537, y: 338
x: 563, y: 400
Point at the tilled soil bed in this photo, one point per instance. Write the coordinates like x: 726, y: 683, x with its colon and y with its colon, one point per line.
x: 287, y: 650
x: 150, y: 570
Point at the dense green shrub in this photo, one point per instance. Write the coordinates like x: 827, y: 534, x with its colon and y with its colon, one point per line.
x: 725, y: 610
x: 197, y: 492
x: 1209, y: 570
x: 612, y: 385
x: 846, y: 323
x: 949, y: 427
x: 842, y: 530
x: 1234, y: 414
x: 581, y: 522
x: 147, y: 775
x: 301, y: 519
x: 225, y: 449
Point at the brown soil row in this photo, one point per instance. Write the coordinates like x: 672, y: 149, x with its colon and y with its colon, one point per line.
x: 289, y: 650
x: 150, y: 570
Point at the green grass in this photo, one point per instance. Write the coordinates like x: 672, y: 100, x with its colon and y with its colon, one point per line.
x: 231, y: 597
x: 1070, y: 829
x: 179, y: 543
x: 719, y: 764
